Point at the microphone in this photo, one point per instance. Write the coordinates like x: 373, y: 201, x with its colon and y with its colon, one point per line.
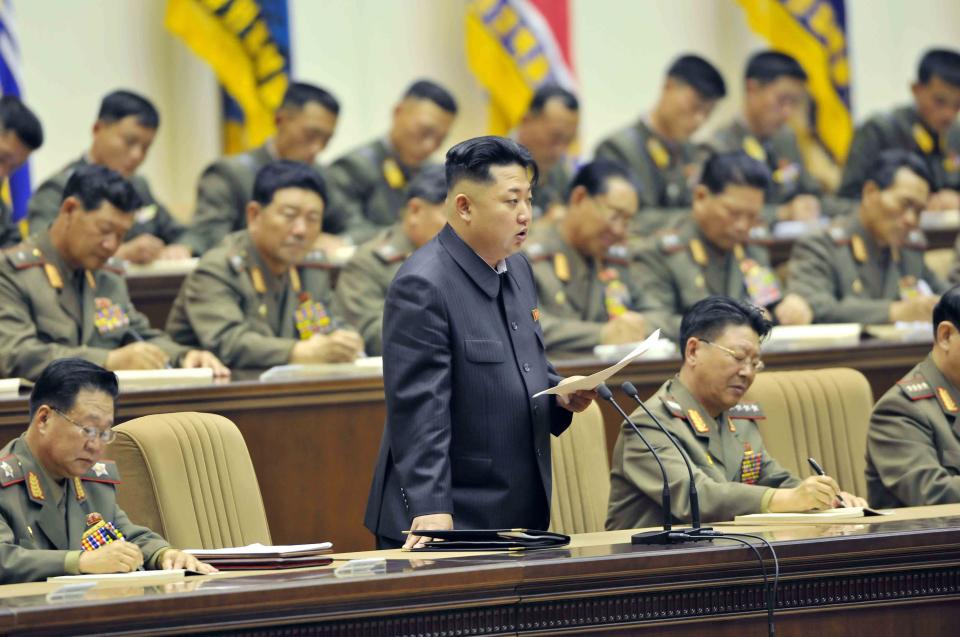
x: 667, y: 535
x: 631, y: 391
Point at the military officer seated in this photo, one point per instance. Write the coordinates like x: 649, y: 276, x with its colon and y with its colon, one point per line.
x: 306, y: 121
x: 775, y: 87
x: 716, y: 250
x: 369, y: 183
x: 657, y: 148
x: 61, y: 296
x: 362, y: 283
x: 261, y: 297
x: 122, y: 135
x: 869, y: 268
x: 913, y: 444
x: 702, y: 409
x: 58, y: 496
x: 928, y: 127
x: 547, y: 129
x: 20, y: 134
x: 586, y: 279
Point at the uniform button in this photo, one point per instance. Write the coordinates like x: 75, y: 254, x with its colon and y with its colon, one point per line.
x: 514, y: 326
x: 526, y: 367
x: 536, y: 409
x: 539, y: 453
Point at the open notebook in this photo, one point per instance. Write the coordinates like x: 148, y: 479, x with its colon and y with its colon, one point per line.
x: 811, y: 517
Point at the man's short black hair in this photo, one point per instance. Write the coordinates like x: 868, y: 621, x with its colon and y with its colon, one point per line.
x: 548, y: 92
x: 284, y: 173
x: 299, y: 94
x: 430, y: 184
x: 700, y: 74
x: 61, y: 381
x: 120, y: 104
x: 942, y: 63
x: 427, y: 90
x: 15, y: 117
x: 595, y: 177
x: 93, y: 183
x: 768, y: 66
x: 707, y: 318
x: 883, y: 171
x: 736, y: 168
x: 472, y: 159
x: 947, y: 309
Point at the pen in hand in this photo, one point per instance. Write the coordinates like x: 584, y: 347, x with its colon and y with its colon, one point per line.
x: 135, y: 335
x: 820, y: 472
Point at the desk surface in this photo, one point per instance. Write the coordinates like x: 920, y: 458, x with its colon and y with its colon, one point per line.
x: 323, y: 433
x: 870, y: 578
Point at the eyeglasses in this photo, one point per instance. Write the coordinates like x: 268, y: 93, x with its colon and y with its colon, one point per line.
x: 106, y: 436
x: 612, y: 215
x: 756, y: 364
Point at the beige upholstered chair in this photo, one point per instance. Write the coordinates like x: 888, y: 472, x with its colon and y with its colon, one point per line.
x: 581, y: 475
x: 188, y: 476
x: 820, y: 413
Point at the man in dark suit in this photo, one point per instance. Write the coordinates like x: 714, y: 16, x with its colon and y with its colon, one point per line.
x: 465, y: 445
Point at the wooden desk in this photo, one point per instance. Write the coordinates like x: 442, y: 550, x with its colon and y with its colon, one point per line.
x: 154, y: 295
x: 780, y: 248
x: 314, y: 442
x: 883, y: 580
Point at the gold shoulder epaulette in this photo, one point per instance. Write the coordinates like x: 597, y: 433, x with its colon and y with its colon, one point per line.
x: 839, y: 235
x: 116, y: 266
x: 670, y: 243
x: 618, y: 255
x: 388, y: 253
x: 103, y: 471
x: 10, y: 471
x: 317, y: 259
x: 24, y: 255
x: 537, y: 252
x: 915, y: 388
x: 746, y: 411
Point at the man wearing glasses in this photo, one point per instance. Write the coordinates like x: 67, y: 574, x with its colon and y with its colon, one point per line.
x: 586, y: 280
x: 712, y: 251
x: 58, y: 501
x: 701, y: 407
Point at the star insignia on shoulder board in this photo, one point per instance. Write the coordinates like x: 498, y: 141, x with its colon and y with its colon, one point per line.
x: 7, y: 469
x: 100, y: 469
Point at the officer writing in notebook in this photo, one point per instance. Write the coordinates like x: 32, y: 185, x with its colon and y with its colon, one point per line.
x: 465, y: 445
x: 703, y: 408
x: 58, y: 496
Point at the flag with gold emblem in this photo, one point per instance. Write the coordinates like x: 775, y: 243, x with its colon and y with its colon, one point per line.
x: 513, y: 48
x: 814, y: 32
x: 247, y: 43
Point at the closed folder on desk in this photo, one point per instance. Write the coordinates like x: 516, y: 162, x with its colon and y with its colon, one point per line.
x: 493, y: 540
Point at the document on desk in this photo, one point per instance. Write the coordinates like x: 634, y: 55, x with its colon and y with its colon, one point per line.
x: 146, y: 577
x: 156, y: 378
x: 827, y: 516
x: 12, y: 386
x: 162, y: 267
x: 262, y: 550
x: 590, y: 382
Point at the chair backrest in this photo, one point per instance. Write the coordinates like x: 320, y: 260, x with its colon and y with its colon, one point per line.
x: 581, y: 475
x: 188, y: 476
x: 822, y: 413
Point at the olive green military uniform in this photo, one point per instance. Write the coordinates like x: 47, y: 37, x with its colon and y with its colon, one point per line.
x: 234, y: 307
x: 50, y: 311
x: 846, y: 277
x: 666, y: 172
x: 9, y: 230
x: 551, y: 189
x: 734, y: 473
x: 153, y: 218
x: 42, y: 521
x: 902, y: 129
x: 369, y: 185
x: 578, y: 294
x: 225, y: 189
x: 913, y: 444
x: 682, y: 267
x: 781, y: 154
x: 362, y: 283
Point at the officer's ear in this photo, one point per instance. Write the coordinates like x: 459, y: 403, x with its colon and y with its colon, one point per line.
x: 946, y: 335
x: 41, y: 418
x: 463, y: 206
x: 254, y: 210
x: 578, y: 194
x: 870, y: 189
x: 71, y: 205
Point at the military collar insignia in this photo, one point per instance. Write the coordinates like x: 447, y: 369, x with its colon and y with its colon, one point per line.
x: 923, y: 138
x: 754, y: 148
x: 294, y: 279
x: 738, y: 252
x: 658, y: 153
x: 53, y: 276
x: 34, y: 488
x: 946, y: 400
x: 915, y: 388
x: 78, y: 487
x: 91, y: 280
x: 859, y: 248
x: 561, y: 267
x: 393, y: 174
x: 697, y: 422
x: 698, y: 252
x: 746, y: 411
x: 256, y: 277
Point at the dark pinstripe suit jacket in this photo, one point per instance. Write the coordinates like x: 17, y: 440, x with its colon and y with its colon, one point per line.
x: 463, y: 435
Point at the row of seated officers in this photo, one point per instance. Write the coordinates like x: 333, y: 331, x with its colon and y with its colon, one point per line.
x: 264, y: 295
x: 54, y: 475
x: 369, y: 185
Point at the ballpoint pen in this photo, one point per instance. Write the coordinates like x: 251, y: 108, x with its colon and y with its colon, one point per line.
x: 820, y: 472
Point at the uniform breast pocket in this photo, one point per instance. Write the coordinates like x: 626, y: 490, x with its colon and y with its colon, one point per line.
x: 483, y: 351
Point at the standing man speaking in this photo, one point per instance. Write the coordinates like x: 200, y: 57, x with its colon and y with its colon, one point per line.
x: 465, y: 445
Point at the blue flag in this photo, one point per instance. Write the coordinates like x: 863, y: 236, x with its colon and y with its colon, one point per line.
x: 17, y: 194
